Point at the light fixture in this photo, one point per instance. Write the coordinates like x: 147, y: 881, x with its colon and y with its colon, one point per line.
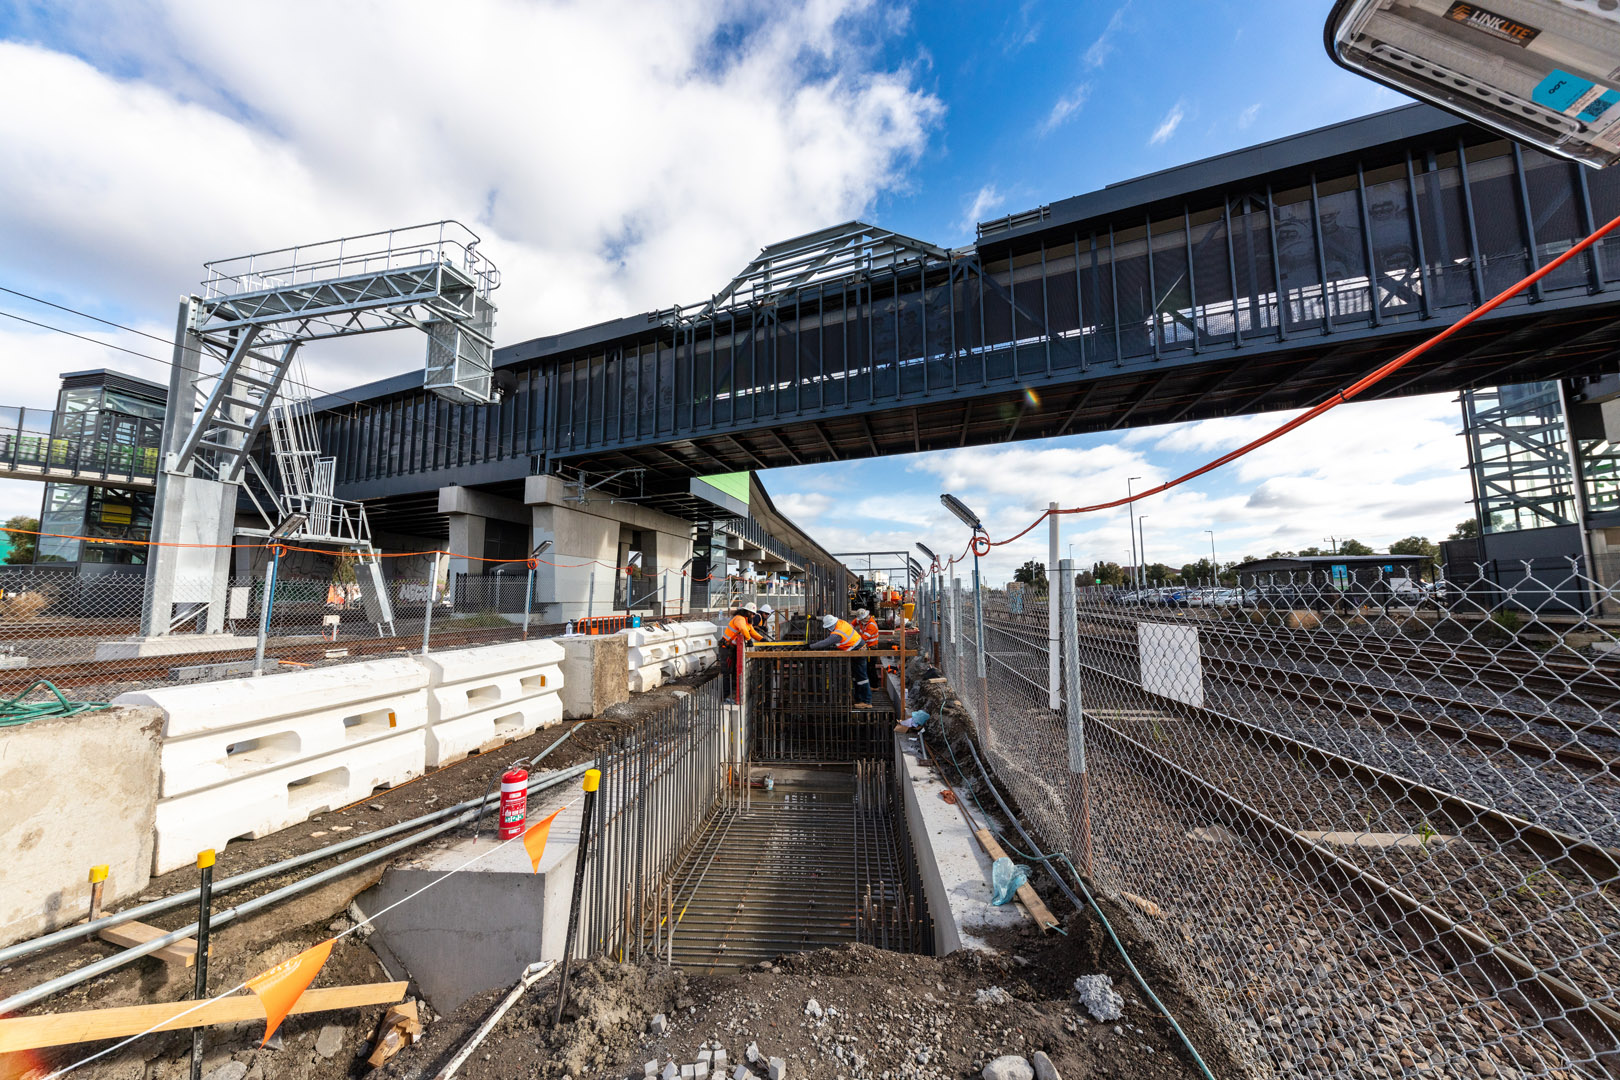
x: 924, y: 549
x: 963, y: 514
x: 1537, y: 71
x: 540, y: 549
x: 289, y: 526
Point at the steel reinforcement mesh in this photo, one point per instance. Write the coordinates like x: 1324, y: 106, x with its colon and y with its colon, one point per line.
x: 1374, y: 834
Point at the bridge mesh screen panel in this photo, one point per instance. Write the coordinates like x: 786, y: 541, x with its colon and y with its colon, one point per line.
x: 1374, y: 828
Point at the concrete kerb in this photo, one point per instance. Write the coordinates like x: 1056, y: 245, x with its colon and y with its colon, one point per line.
x: 954, y: 869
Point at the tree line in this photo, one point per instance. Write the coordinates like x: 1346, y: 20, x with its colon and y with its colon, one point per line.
x: 1204, y: 572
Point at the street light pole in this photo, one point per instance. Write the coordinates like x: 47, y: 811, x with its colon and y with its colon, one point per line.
x: 1136, y: 566
x: 1141, y: 536
x: 1214, y: 567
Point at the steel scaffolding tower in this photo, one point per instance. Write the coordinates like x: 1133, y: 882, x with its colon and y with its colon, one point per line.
x: 234, y: 347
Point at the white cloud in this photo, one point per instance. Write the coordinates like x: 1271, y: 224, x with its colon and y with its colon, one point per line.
x: 986, y: 199
x: 1065, y: 107
x: 1167, y: 126
x: 1375, y: 471
x: 1099, y: 51
x: 1246, y: 117
x: 593, y: 146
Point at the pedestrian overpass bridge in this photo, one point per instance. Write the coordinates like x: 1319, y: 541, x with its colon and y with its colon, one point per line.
x: 1261, y: 279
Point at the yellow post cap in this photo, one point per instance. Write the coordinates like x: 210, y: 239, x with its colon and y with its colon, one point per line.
x: 593, y: 777
x: 205, y: 858
x: 98, y: 874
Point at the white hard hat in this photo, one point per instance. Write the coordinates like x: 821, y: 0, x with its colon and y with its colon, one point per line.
x: 750, y: 607
x: 861, y: 613
x: 765, y: 609
x: 829, y: 621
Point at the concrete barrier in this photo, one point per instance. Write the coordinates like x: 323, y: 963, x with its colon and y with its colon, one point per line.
x: 479, y: 699
x: 658, y: 654
x: 247, y: 757
x: 75, y: 792
x: 595, y: 674
x: 648, y: 648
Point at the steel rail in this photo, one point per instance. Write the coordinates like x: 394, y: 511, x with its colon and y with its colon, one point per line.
x: 1548, y: 996
x: 1470, y: 733
x: 1486, y: 736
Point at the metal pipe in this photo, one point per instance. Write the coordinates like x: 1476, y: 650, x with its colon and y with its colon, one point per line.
x: 154, y: 907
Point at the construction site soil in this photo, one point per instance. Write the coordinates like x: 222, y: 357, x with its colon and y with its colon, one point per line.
x: 246, y: 946
x: 882, y: 1015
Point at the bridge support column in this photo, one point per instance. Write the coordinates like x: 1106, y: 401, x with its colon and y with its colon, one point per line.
x: 468, y: 512
x: 187, y: 510
x: 674, y: 549
x: 589, y: 533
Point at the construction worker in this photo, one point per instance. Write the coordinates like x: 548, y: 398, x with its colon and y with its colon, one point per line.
x: 762, y: 621
x: 867, y: 625
x: 734, y: 639
x: 845, y: 638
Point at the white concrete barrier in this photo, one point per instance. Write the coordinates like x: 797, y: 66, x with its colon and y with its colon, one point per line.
x: 482, y: 698
x: 658, y: 654
x: 649, y: 648
x: 247, y: 757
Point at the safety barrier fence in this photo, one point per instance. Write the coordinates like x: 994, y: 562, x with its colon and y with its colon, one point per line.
x: 83, y: 632
x: 1371, y: 839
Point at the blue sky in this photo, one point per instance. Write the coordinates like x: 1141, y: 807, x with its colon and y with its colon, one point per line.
x: 620, y: 156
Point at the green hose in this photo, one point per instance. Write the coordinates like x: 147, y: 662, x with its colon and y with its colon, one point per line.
x: 1119, y: 946
x: 15, y: 711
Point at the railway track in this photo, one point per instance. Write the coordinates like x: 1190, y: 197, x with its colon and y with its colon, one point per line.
x: 1347, y: 695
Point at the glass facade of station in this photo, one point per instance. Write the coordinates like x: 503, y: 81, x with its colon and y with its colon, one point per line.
x: 121, y: 419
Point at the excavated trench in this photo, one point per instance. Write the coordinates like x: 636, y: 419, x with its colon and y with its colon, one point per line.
x: 815, y: 850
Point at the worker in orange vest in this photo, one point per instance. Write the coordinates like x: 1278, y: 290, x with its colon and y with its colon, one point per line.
x: 734, y: 639
x: 845, y: 638
x: 866, y: 623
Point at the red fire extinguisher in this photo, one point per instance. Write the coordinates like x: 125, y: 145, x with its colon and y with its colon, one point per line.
x: 514, y: 802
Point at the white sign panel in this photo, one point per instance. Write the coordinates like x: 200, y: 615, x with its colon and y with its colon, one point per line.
x: 1171, y: 663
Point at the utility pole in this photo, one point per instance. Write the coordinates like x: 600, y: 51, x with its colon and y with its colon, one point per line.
x: 1215, y: 567
x: 1334, y: 541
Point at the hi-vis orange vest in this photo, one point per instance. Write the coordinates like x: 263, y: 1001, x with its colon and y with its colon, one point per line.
x: 847, y: 637
x: 741, y: 628
x: 869, y: 632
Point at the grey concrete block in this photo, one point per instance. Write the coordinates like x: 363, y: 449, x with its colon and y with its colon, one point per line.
x: 75, y: 792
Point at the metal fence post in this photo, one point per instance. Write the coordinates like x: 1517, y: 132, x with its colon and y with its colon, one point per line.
x: 265, y: 608
x: 593, y: 778
x: 978, y: 655
x: 528, y: 601
x: 1079, y: 786
x: 427, y: 613
x: 1052, y: 691
x: 205, y: 901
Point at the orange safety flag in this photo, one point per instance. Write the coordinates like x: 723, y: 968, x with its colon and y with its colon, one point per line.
x: 281, y: 987
x: 534, y: 840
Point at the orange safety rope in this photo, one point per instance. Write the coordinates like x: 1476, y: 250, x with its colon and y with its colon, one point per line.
x: 981, y: 545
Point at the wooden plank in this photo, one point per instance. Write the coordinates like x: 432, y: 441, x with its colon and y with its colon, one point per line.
x: 127, y: 935
x: 1033, y: 904
x: 92, y: 1025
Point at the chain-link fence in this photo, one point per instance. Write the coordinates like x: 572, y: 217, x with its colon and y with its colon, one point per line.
x: 1374, y: 836
x: 93, y: 636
